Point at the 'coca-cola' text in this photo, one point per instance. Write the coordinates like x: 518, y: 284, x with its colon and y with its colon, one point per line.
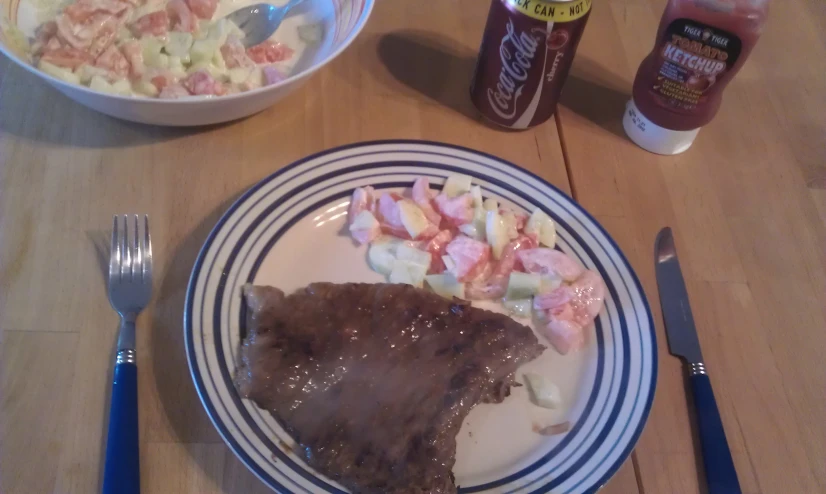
x: 517, y: 52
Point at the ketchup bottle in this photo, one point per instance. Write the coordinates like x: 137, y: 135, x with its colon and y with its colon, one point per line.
x: 700, y: 46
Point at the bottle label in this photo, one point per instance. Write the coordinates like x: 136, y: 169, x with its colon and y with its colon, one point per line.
x: 692, y: 58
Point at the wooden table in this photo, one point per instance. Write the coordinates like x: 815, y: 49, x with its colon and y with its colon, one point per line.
x: 747, y: 202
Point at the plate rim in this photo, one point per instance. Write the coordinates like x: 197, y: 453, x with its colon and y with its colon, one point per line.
x: 238, y: 202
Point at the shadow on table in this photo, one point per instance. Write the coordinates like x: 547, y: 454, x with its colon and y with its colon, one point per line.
x: 100, y: 241
x: 176, y: 393
x: 593, y: 93
x: 31, y: 109
x: 433, y: 65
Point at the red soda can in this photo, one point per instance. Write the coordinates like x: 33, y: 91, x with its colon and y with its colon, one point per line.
x: 526, y: 53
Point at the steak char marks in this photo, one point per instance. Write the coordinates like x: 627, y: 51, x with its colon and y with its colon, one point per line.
x: 375, y: 380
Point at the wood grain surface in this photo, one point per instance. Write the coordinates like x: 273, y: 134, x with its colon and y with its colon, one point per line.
x: 747, y: 204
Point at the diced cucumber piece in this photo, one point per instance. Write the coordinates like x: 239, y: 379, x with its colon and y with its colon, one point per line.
x: 542, y: 392
x: 98, y: 83
x: 547, y: 236
x: 218, y: 60
x: 509, y: 219
x: 490, y: 204
x: 152, y: 56
x: 202, y: 29
x: 219, y: 31
x: 203, y: 50
x: 65, y: 75
x: 195, y: 67
x: 16, y: 39
x: 480, y: 218
x: 86, y: 72
x: 541, y: 225
x: 234, y: 30
x: 406, y: 253
x: 476, y: 194
x: 176, y: 65
x: 151, y: 46
x: 146, y: 88
x: 476, y: 228
x: 472, y: 231
x: 382, y: 254
x: 239, y: 74
x: 446, y: 285
x: 122, y: 87
x: 413, y: 218
x: 519, y: 308
x: 364, y: 221
x: 522, y: 285
x: 158, y: 61
x: 449, y: 264
x: 124, y: 34
x: 408, y: 273
x: 217, y: 73
x: 456, y: 185
x: 256, y: 79
x: 178, y: 44
x: 311, y: 33
x: 496, y: 233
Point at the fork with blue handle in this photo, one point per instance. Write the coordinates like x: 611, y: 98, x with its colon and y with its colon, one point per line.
x: 130, y: 288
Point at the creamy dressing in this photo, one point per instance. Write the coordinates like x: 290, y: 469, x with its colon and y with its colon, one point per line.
x: 34, y: 13
x: 286, y: 34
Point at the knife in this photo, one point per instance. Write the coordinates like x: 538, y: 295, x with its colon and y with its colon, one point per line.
x: 682, y: 342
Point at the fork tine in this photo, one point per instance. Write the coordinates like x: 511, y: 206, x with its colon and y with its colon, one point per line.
x: 114, y: 253
x: 136, y: 254
x: 141, y: 250
x: 126, y: 258
x: 147, y: 249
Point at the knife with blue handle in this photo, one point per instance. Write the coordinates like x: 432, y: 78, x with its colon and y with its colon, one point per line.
x: 683, y: 343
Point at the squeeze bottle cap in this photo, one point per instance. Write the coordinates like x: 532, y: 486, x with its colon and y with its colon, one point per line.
x: 651, y: 137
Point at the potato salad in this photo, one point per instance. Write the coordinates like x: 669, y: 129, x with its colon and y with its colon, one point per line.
x: 156, y: 49
x: 461, y: 244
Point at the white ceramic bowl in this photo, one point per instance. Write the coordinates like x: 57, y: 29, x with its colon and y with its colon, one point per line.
x: 342, y: 20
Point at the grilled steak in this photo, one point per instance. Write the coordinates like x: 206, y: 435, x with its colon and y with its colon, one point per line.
x: 374, y: 381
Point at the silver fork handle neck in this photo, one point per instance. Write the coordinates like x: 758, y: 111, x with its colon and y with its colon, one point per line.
x: 126, y: 357
x: 126, y: 333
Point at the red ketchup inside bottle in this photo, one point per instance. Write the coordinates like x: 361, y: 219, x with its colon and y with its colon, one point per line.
x: 700, y: 46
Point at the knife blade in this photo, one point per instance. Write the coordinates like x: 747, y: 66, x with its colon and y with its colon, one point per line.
x: 683, y: 342
x: 679, y: 322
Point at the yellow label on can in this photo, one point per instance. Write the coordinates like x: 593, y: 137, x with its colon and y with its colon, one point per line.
x: 552, y: 11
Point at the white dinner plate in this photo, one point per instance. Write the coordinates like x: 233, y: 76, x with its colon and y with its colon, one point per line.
x: 288, y: 231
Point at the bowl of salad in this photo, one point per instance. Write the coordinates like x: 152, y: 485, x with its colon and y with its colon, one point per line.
x: 173, y: 62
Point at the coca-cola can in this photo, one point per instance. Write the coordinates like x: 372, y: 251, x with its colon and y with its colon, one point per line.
x: 526, y: 53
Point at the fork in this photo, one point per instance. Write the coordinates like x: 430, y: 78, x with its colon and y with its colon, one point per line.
x: 130, y: 288
x: 260, y: 21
